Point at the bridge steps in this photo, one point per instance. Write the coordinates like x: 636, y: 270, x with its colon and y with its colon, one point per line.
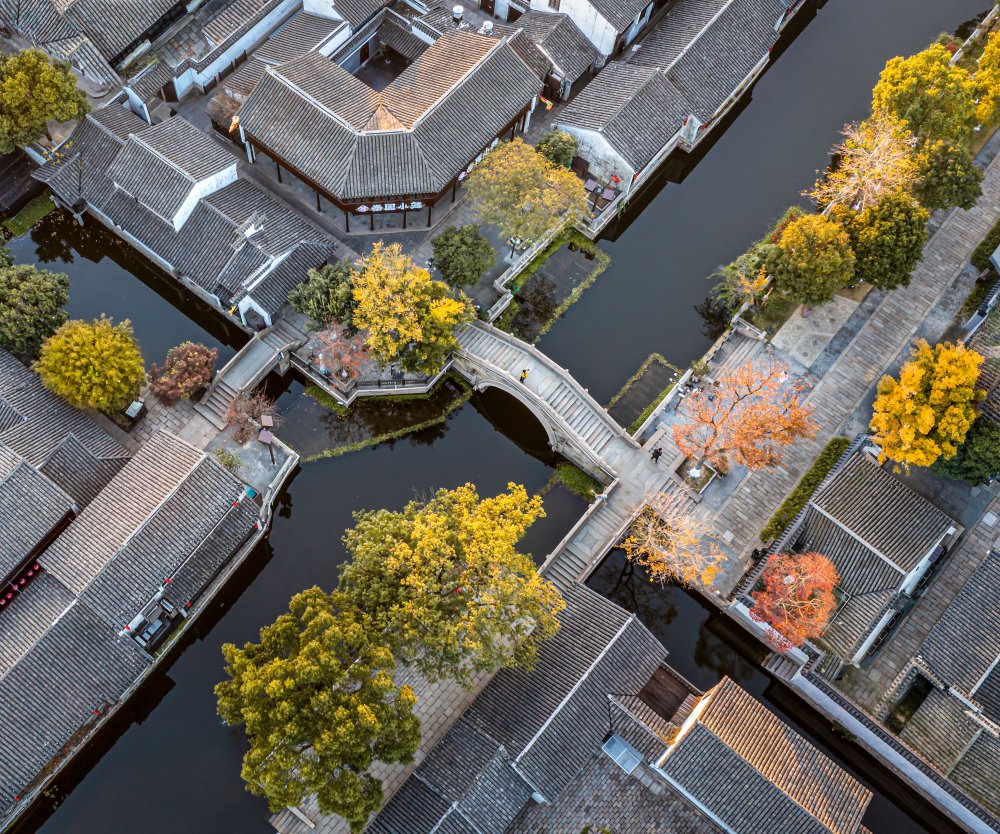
x: 576, y: 417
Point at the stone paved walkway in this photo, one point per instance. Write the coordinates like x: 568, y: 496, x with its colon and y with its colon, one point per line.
x: 879, y: 344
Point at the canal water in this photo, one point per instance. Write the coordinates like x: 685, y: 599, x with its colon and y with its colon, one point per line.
x: 169, y: 764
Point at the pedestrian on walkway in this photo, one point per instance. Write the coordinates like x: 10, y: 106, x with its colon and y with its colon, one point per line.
x: 656, y: 454
x: 524, y: 375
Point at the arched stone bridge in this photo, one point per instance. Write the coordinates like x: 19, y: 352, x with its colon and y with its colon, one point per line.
x: 579, y: 428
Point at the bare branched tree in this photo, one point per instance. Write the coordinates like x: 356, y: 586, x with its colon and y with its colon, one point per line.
x: 875, y: 158
x: 672, y: 545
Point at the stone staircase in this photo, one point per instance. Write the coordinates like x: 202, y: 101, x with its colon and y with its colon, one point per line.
x: 552, y: 387
x: 781, y: 666
x: 255, y: 360
x: 738, y: 349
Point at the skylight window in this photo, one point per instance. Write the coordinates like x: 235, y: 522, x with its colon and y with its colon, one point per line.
x: 622, y: 753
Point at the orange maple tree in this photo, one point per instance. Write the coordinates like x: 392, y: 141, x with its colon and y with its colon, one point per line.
x: 745, y: 415
x: 797, y: 598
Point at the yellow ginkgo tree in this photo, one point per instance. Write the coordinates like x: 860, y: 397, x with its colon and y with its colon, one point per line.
x: 407, y: 316
x: 925, y: 414
x: 447, y: 587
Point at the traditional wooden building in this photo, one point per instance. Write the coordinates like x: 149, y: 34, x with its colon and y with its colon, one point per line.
x: 401, y: 149
x: 683, y: 74
x: 173, y: 193
x: 884, y: 540
x: 957, y: 724
x: 604, y: 734
x: 82, y: 624
x: 93, y: 35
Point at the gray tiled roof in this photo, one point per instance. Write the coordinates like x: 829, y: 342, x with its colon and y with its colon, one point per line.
x: 209, y: 249
x: 37, y: 19
x: 529, y: 731
x: 965, y: 642
x: 619, y: 13
x: 709, y: 67
x: 635, y: 108
x: 118, y: 119
x: 701, y: 51
x: 272, y: 290
x: 868, y: 583
x: 123, y: 506
x: 168, y: 514
x: 160, y: 165
x: 147, y: 83
x: 67, y: 446
x: 467, y: 772
x: 604, y: 797
x: 37, y: 607
x: 31, y: 506
x: 82, y: 54
x: 408, y: 140
x: 356, y: 12
x: 978, y: 771
x: 392, y: 34
x: 985, y: 341
x: 939, y: 729
x: 883, y: 512
x: 987, y: 693
x: 161, y: 542
x: 78, y: 665
x: 298, y: 36
x: 188, y: 149
x: 561, y: 40
x: 111, y: 24
x: 737, y: 747
x: 599, y: 650
x: 680, y: 27
x: 76, y: 470
x: 114, y: 24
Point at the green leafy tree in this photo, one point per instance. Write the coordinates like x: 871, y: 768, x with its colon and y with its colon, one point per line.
x: 813, y: 259
x: 320, y: 706
x: 887, y: 238
x: 31, y: 305
x: 947, y: 176
x: 558, y: 147
x: 446, y: 585
x: 92, y: 364
x: 934, y: 99
x: 408, y: 316
x: 978, y: 458
x: 518, y: 190
x: 326, y: 296
x: 33, y: 90
x: 462, y: 255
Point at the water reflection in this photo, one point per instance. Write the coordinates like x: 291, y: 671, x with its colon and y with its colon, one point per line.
x: 103, y: 270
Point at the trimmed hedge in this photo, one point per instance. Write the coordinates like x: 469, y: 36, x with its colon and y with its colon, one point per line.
x: 981, y: 254
x: 804, y: 489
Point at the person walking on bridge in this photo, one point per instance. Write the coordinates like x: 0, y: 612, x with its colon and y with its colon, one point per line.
x: 524, y: 375
x: 656, y: 454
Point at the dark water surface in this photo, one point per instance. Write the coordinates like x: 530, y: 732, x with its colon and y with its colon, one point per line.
x: 665, y: 249
x: 103, y: 270
x: 170, y: 765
